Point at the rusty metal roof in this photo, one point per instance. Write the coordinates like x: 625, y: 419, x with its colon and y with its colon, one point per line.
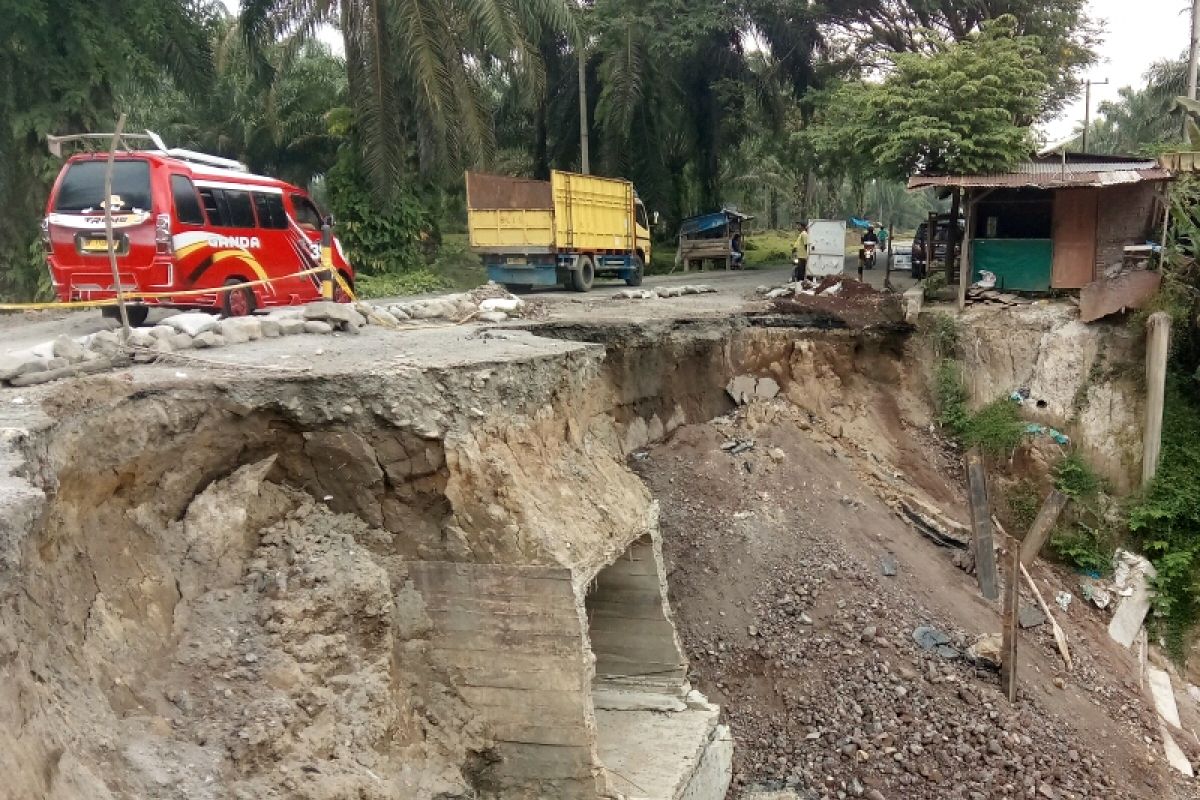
x: 1052, y: 173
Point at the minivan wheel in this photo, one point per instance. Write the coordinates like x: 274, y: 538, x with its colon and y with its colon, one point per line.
x: 339, y: 294
x: 583, y: 275
x: 137, y: 314
x: 237, y: 302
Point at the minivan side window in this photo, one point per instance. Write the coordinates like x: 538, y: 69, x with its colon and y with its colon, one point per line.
x: 239, y: 208
x: 214, y: 206
x: 270, y: 210
x: 187, y: 204
x: 306, y: 213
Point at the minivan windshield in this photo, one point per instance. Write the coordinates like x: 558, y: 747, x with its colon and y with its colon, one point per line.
x: 82, y: 187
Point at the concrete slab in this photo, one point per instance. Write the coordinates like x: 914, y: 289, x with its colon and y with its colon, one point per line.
x: 1164, y: 695
x: 1132, y: 610
x: 1175, y: 756
x: 665, y: 756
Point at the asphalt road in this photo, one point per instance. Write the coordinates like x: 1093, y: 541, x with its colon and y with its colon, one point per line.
x: 22, y: 330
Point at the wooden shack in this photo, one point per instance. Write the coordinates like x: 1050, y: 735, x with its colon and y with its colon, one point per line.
x: 1056, y: 222
x: 707, y: 238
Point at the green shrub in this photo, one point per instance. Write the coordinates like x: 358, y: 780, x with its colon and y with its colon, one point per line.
x: 1023, y: 503
x: 1166, y: 519
x: 944, y: 334
x: 379, y: 239
x: 1076, y: 479
x: 933, y: 285
x: 1088, y: 549
x: 950, y: 395
x: 996, y: 428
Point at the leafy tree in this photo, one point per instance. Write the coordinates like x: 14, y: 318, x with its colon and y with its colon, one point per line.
x: 64, y: 61
x: 1145, y: 120
x: 414, y: 70
x: 964, y: 109
x: 876, y: 29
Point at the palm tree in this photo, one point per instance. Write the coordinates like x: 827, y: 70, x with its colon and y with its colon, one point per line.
x: 415, y: 67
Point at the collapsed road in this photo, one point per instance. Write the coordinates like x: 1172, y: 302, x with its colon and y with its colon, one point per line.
x: 522, y: 562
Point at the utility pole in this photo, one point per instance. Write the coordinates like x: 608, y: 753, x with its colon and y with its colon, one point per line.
x: 1194, y: 53
x: 581, y: 57
x: 1087, y: 108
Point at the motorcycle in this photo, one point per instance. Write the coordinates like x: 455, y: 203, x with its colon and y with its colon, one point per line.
x: 868, y: 255
x: 797, y: 268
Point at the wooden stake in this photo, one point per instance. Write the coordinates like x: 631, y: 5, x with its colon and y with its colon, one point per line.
x: 1060, y: 638
x: 1012, y: 602
x: 981, y: 525
x: 1051, y: 509
x: 108, y: 228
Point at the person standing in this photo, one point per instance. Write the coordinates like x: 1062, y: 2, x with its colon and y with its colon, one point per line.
x: 800, y: 253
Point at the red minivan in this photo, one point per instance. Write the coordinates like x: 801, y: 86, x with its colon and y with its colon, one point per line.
x: 184, y: 221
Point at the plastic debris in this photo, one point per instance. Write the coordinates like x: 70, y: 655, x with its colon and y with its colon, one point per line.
x: 1064, y: 600
x: 987, y: 280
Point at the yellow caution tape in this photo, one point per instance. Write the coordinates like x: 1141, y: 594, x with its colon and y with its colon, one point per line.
x: 133, y: 296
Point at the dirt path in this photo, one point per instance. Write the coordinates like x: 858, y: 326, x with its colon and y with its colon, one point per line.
x: 775, y: 565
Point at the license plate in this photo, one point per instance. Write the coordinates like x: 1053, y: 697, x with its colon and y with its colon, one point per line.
x: 516, y: 261
x: 97, y: 245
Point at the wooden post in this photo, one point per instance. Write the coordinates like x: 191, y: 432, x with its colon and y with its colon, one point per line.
x: 1012, y: 600
x: 964, y: 257
x: 887, y: 272
x: 1158, y: 341
x: 108, y: 228
x: 1052, y: 507
x: 952, y: 234
x: 981, y: 525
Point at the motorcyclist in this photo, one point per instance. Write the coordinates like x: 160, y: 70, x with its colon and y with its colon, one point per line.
x: 868, y: 238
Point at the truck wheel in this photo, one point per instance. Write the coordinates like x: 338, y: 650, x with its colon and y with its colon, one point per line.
x: 639, y: 270
x: 584, y: 274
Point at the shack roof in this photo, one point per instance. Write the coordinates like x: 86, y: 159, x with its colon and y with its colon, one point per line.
x: 1053, y: 172
x: 708, y: 222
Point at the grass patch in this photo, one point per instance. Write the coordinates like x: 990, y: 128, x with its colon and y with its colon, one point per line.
x: 950, y: 396
x: 770, y: 248
x: 418, y: 281
x: 1023, y: 504
x: 944, y: 334
x: 996, y: 428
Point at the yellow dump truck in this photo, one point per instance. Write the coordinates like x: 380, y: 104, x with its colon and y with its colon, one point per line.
x: 566, y: 231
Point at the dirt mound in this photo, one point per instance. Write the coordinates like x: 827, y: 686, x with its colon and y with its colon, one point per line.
x: 775, y: 561
x: 852, y: 302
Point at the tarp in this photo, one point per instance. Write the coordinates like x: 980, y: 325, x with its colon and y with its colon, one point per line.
x: 710, y: 222
x: 1018, y: 264
x: 707, y: 222
x: 855, y: 222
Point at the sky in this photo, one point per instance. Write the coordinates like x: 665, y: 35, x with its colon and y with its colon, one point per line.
x: 1136, y: 34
